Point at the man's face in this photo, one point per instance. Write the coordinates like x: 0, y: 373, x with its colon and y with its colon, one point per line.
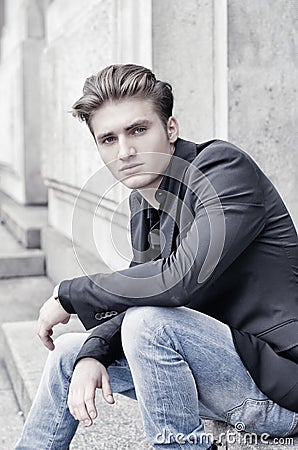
x: 133, y: 142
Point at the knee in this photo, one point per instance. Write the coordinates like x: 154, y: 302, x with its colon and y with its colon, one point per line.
x: 139, y: 326
x: 139, y: 317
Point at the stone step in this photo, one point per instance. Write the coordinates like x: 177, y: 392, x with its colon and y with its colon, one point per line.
x: 15, y: 260
x: 20, y: 299
x: 11, y: 421
x: 24, y: 222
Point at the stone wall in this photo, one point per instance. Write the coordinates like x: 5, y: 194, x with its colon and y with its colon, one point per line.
x: 263, y: 88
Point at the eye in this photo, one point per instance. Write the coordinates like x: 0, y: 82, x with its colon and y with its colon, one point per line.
x: 109, y: 140
x: 139, y: 130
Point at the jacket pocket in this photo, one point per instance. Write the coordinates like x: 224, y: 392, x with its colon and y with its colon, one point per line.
x: 281, y: 337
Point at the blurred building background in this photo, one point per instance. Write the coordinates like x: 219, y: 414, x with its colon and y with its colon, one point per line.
x: 234, y: 68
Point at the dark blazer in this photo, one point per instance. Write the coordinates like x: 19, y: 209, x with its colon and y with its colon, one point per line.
x: 228, y: 249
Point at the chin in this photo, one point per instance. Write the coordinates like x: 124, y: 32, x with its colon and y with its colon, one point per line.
x: 137, y: 181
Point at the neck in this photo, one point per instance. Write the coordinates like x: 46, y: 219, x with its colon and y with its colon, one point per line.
x: 149, y: 193
x: 150, y: 197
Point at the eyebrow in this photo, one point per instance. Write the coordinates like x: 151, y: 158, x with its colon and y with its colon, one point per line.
x: 137, y: 123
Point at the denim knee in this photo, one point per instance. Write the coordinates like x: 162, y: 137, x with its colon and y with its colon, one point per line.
x: 63, y: 357
x: 140, y: 324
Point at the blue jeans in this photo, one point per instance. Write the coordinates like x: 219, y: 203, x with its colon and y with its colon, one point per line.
x: 183, y: 367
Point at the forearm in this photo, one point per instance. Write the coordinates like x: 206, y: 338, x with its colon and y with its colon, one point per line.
x: 104, y: 343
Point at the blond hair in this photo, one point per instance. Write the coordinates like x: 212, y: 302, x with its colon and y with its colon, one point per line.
x: 122, y: 81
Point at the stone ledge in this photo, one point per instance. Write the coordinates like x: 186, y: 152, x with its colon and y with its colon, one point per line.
x: 15, y: 261
x: 24, y: 222
x: 22, y: 264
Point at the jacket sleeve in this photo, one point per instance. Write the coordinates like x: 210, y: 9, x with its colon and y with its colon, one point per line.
x: 104, y: 343
x: 227, y: 216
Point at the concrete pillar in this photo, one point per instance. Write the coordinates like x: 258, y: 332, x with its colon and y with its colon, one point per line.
x: 22, y: 42
x: 263, y: 88
x: 183, y: 42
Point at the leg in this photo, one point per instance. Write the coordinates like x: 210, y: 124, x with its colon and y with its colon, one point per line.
x: 185, y: 368
x: 49, y: 425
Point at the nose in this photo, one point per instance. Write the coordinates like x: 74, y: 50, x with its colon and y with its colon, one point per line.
x: 126, y: 150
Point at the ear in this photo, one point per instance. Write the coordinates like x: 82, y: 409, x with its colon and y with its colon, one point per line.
x: 173, y: 129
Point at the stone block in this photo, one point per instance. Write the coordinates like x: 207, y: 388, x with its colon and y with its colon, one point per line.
x: 21, y: 298
x: 15, y: 261
x: 22, y: 264
x: 24, y: 222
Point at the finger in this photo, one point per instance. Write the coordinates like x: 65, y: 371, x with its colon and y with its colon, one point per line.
x: 70, y: 405
x: 66, y: 320
x: 106, y: 389
x: 90, y: 402
x: 45, y: 338
x: 82, y: 416
x: 77, y: 405
x: 48, y: 342
x: 80, y: 410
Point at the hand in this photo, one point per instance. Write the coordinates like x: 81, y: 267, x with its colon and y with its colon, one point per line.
x: 88, y: 375
x: 50, y: 314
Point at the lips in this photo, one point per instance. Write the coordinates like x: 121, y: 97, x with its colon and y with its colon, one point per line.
x: 129, y: 167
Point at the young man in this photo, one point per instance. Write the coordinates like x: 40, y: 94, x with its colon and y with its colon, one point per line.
x: 208, y: 307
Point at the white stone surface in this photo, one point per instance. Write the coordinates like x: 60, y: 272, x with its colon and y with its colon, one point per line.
x: 263, y: 88
x: 134, y: 32
x: 11, y: 116
x: 85, y: 46
x: 183, y: 55
x: 99, y: 226
x: 21, y: 45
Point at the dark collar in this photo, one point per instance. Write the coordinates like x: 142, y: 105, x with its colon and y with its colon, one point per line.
x: 186, y: 151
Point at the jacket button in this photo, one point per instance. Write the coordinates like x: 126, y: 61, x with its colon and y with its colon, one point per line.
x: 105, y: 315
x: 99, y: 316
